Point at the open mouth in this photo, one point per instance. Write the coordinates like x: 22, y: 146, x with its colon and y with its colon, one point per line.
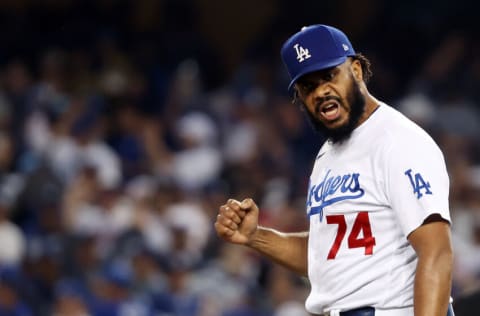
x: 330, y: 111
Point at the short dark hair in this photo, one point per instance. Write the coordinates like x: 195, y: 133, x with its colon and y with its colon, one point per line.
x: 366, y: 66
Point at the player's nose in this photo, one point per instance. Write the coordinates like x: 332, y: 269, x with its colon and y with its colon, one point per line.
x: 322, y: 90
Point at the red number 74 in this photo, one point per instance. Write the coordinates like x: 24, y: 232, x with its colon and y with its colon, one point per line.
x: 361, y: 224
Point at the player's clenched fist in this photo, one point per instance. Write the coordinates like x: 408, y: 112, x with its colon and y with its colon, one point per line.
x: 237, y: 221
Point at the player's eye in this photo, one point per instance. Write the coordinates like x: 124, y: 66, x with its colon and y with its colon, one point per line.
x: 307, y: 87
x: 329, y: 76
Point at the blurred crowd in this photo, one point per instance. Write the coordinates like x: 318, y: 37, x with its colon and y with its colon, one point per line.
x: 113, y: 166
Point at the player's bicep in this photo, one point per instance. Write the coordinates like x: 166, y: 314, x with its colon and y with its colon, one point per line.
x: 432, y: 238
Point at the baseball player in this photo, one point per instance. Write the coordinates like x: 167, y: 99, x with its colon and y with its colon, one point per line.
x: 379, y: 239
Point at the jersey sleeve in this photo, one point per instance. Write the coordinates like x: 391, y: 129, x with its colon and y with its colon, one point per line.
x: 416, y: 179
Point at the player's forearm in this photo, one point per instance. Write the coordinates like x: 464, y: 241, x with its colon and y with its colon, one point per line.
x: 287, y: 249
x: 433, y: 284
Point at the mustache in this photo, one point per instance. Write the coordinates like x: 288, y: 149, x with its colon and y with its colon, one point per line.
x: 321, y: 100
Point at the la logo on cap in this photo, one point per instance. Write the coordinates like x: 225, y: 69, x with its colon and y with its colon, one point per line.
x: 302, y: 53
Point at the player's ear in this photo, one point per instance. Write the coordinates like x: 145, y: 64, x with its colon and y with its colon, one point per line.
x: 356, y: 68
x: 297, y: 100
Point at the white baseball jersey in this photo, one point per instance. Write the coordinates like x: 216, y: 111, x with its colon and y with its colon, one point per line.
x: 365, y: 197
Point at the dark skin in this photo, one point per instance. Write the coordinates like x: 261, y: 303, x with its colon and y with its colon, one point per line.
x: 433, y: 244
x: 318, y: 89
x: 237, y: 221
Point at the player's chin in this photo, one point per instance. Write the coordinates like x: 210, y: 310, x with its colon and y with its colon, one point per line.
x: 335, y: 124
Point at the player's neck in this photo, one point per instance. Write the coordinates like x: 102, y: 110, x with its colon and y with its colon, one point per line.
x: 371, y: 104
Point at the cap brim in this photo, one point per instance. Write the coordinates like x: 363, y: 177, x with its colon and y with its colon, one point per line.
x: 316, y: 67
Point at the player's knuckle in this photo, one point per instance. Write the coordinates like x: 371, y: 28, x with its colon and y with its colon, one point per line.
x: 218, y: 228
x: 227, y: 212
x: 224, y: 210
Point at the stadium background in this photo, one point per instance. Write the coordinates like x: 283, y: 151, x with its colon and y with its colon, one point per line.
x: 125, y: 124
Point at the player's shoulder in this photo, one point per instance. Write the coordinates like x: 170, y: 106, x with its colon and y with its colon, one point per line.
x: 398, y: 128
x: 401, y: 136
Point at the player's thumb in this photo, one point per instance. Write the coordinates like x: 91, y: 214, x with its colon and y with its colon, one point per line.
x: 247, y: 204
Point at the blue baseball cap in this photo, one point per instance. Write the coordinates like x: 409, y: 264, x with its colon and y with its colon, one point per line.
x: 315, y: 47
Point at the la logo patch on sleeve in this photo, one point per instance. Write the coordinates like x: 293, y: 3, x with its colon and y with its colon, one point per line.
x: 418, y: 183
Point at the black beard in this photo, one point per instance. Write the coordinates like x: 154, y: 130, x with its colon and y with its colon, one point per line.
x: 342, y: 133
